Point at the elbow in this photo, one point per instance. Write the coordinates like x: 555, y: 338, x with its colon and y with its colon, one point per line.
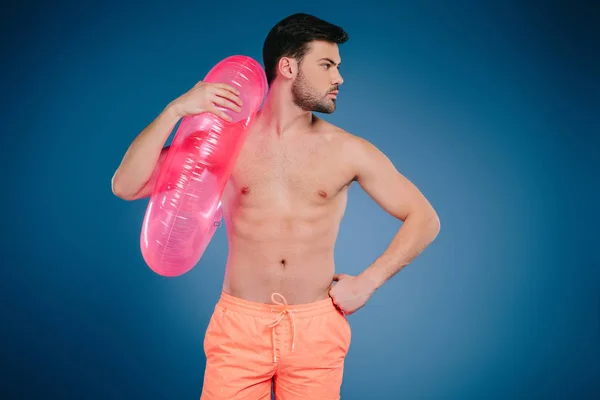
x: 437, y: 225
x: 430, y: 221
x: 434, y: 223
x: 120, y: 190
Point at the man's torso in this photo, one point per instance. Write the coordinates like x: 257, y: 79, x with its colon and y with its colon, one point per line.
x: 282, y: 207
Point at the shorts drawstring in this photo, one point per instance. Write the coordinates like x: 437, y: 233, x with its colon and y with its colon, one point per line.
x: 278, y: 319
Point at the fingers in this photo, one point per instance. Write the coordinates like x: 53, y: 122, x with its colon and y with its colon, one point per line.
x: 226, y: 102
x: 215, y: 97
x: 338, y: 277
x: 340, y: 308
x: 220, y: 113
x: 228, y: 88
x: 227, y: 94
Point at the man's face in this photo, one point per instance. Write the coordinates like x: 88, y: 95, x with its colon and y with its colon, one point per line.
x: 316, y: 85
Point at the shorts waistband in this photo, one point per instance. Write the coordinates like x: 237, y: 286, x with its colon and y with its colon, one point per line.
x: 279, y: 304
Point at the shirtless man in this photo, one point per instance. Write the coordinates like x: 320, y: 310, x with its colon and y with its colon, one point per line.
x: 281, y: 317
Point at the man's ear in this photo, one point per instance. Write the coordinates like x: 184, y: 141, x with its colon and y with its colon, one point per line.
x: 288, y: 67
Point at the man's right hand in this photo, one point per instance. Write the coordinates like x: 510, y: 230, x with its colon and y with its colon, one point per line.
x: 205, y: 97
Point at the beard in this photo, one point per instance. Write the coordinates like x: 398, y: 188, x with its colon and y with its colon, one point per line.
x: 308, y: 99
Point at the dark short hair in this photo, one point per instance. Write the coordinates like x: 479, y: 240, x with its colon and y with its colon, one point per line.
x: 291, y: 37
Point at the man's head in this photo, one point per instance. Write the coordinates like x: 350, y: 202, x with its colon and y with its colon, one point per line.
x: 303, y: 50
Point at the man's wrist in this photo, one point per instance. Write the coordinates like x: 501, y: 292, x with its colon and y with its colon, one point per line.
x: 371, y: 279
x: 172, y: 110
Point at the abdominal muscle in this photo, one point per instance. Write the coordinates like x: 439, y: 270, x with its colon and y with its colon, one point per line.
x: 293, y: 255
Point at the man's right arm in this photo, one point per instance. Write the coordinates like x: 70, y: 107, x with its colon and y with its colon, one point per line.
x: 136, y: 175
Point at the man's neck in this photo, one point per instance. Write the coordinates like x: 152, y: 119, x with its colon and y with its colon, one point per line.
x: 280, y: 116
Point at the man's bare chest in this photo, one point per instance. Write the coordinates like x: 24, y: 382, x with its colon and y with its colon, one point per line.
x: 294, y: 172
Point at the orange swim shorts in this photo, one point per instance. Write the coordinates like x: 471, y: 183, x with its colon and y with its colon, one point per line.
x: 296, y: 350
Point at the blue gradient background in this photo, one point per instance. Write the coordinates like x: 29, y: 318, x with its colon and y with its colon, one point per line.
x: 491, y: 109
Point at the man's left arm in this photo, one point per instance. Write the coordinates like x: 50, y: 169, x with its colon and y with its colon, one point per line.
x: 399, y: 197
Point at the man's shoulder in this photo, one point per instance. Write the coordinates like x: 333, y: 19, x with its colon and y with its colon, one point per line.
x: 357, y: 152
x: 339, y: 135
x: 349, y: 143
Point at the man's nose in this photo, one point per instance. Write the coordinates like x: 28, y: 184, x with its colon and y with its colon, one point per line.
x: 337, y: 79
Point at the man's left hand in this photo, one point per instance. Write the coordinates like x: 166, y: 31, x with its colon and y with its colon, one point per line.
x: 350, y: 293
